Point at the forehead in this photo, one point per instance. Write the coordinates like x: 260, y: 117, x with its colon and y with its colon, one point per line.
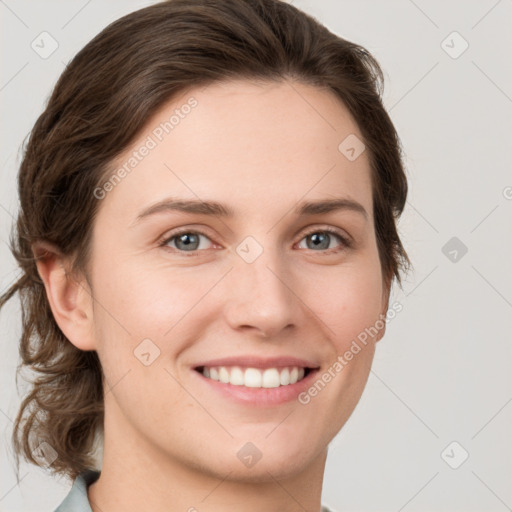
x: 257, y: 146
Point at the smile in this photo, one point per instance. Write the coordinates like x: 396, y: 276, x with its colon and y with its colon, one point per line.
x: 254, y: 377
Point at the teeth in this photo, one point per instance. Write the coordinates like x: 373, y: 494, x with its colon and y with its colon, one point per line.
x: 252, y: 378
x: 223, y: 375
x: 237, y: 376
x: 255, y: 377
x: 284, y: 378
x: 271, y: 378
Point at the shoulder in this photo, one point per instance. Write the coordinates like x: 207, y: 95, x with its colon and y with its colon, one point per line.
x: 77, y: 500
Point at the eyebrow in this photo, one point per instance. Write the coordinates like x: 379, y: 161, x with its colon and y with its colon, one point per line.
x: 214, y: 208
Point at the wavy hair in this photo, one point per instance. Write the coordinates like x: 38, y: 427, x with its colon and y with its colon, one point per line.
x: 98, y: 106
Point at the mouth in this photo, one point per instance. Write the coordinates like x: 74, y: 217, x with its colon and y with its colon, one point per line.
x: 248, y: 377
x: 252, y: 382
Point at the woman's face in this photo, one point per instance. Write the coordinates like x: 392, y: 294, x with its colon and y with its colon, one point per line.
x: 257, y: 285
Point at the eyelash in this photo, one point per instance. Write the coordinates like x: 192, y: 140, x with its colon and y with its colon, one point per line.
x: 345, y: 242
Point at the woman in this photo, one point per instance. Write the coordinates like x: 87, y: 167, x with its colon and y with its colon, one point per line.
x: 208, y: 240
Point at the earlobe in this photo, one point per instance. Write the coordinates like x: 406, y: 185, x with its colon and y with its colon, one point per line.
x: 69, y: 297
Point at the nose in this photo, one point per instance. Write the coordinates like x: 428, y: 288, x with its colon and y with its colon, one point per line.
x: 261, y: 298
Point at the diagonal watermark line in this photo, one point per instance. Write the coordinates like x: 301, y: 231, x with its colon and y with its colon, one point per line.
x: 422, y: 281
x: 288, y: 83
x: 10, y: 419
x: 14, y: 76
x: 110, y: 388
x: 76, y: 14
x: 305, y: 193
x: 407, y: 503
x: 408, y: 407
x: 316, y: 316
x: 485, y: 15
x: 424, y: 14
x: 492, y: 418
x: 286, y: 491
x: 6, y: 210
x: 494, y: 288
x: 280, y: 423
x: 215, y: 488
x: 492, y: 211
x: 6, y: 415
x: 185, y: 314
x: 492, y: 81
x: 414, y: 86
x: 422, y: 216
x: 16, y: 484
x: 491, y: 490
x: 200, y: 404
x: 3, y: 3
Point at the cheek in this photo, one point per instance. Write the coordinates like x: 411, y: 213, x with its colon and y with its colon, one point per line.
x: 137, y: 329
x: 347, y: 299
x: 140, y: 302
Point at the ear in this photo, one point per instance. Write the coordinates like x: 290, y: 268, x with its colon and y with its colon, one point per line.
x: 70, y: 298
x: 386, y: 289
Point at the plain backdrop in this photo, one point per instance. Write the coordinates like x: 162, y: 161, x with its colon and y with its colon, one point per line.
x: 432, y: 430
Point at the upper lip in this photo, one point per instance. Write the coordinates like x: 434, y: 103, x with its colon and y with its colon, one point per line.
x: 258, y: 362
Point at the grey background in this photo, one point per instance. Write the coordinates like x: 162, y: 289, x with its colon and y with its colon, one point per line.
x: 442, y: 372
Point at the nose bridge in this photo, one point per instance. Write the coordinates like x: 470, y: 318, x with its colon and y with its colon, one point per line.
x: 260, y: 291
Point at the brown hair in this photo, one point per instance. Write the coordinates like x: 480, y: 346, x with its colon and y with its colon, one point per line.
x: 100, y: 103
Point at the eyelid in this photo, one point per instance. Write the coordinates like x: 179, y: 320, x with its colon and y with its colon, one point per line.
x: 170, y: 235
x: 344, y: 237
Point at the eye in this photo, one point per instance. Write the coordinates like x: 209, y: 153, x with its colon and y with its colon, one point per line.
x: 187, y: 241
x: 322, y: 238
x: 318, y: 239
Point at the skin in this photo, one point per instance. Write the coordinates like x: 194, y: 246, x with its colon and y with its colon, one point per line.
x: 171, y: 442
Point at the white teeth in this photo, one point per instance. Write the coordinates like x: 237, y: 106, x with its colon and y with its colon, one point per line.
x: 252, y: 378
x: 271, y: 378
x: 237, y: 376
x: 223, y: 375
x: 285, y: 377
x: 255, y: 377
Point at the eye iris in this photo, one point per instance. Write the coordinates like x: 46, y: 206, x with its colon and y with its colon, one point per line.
x: 190, y: 241
x: 319, y: 240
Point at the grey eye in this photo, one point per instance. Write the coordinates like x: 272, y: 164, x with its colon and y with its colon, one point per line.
x: 186, y: 241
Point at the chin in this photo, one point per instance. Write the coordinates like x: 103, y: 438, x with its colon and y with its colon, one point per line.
x: 264, y: 461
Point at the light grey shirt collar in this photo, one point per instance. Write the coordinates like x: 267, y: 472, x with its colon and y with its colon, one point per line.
x: 77, y: 500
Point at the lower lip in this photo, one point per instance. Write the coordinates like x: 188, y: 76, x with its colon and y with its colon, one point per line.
x: 260, y: 396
